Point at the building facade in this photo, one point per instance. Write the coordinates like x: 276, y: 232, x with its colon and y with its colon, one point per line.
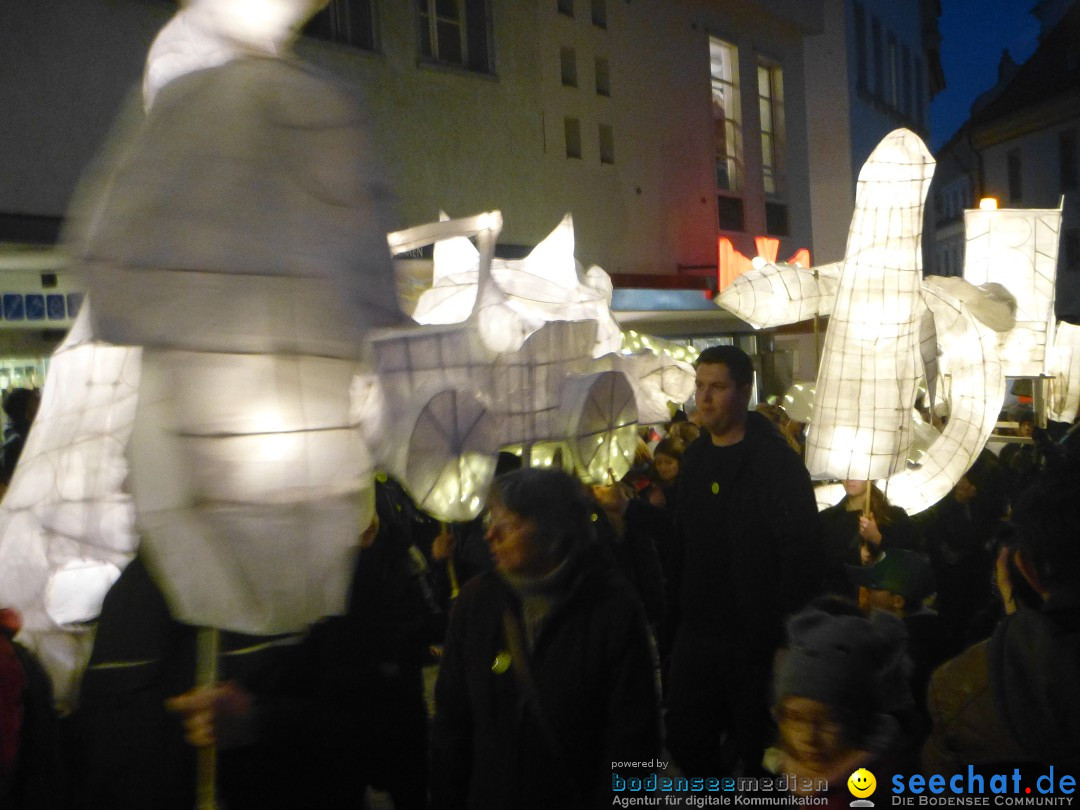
x: 875, y: 67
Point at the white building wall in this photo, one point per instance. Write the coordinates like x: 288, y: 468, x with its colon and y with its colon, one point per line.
x: 459, y: 140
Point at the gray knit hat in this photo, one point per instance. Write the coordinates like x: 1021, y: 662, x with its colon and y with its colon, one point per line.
x: 846, y: 662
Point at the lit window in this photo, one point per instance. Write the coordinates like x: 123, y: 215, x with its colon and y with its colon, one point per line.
x: 455, y: 32
x: 771, y: 109
x: 572, y: 132
x: 350, y: 22
x: 724, y: 67
x: 568, y: 67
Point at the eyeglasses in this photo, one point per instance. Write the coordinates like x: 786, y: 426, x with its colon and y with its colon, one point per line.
x: 823, y: 724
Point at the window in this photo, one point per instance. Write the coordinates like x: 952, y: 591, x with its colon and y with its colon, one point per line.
x: 566, y: 7
x: 727, y: 135
x: 776, y: 222
x: 1016, y: 189
x: 861, y: 63
x: 568, y: 66
x: 572, y: 133
x: 920, y: 98
x: 905, y: 78
x: 1070, y: 175
x: 730, y: 213
x: 607, y: 144
x: 603, y: 77
x: 879, y: 62
x: 894, y: 75
x: 455, y: 32
x: 599, y: 13
x: 771, y: 109
x: 350, y: 22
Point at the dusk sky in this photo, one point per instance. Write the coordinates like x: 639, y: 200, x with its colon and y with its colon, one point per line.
x: 974, y: 33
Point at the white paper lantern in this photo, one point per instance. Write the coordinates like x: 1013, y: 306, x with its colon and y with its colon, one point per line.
x: 871, y: 362
x: 66, y: 505
x: 209, y: 33
x: 976, y: 392
x: 251, y: 486
x: 238, y: 235
x: 517, y: 369
x: 547, y: 285
x: 1018, y: 248
x: 770, y: 295
x: 1065, y: 366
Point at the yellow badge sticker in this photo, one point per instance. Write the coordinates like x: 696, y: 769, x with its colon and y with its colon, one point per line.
x: 715, y: 488
x: 862, y: 783
x: 501, y: 663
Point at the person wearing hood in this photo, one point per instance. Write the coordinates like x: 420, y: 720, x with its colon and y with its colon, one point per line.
x: 548, y: 672
x: 1013, y: 698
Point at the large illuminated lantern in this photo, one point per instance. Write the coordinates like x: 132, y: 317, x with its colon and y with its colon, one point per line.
x: 870, y: 366
x: 525, y: 353
x: 66, y: 522
x: 246, y: 363
x: 1018, y: 248
x: 888, y: 330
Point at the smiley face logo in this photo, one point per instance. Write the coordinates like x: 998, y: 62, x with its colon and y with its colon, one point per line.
x: 862, y: 783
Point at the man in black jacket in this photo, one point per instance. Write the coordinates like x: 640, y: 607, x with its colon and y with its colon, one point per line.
x: 749, y: 555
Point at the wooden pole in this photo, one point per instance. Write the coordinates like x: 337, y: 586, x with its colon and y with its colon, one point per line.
x: 866, y: 506
x: 206, y: 674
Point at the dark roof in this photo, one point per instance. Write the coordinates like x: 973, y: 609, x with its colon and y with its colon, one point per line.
x: 1052, y: 71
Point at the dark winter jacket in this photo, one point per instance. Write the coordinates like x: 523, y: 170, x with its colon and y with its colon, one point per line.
x: 841, y: 539
x: 749, y: 539
x: 1013, y: 698
x: 593, y: 669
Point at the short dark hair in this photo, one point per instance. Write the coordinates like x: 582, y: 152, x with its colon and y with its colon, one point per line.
x: 738, y: 362
x: 550, y: 498
x: 670, y: 447
x: 17, y: 402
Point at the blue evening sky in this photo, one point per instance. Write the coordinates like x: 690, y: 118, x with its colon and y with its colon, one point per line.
x: 973, y: 35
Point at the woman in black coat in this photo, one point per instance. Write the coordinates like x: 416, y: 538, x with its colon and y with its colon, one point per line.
x: 548, y: 672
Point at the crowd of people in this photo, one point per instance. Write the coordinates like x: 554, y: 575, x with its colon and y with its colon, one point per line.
x: 700, y: 616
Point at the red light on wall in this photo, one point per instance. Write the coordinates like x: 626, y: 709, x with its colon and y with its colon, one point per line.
x: 731, y: 263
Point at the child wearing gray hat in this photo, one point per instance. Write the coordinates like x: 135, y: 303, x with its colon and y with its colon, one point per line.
x: 835, y: 684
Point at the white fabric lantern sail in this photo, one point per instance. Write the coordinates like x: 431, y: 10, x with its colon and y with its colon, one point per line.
x: 1018, y: 248
x: 238, y: 235
x: 514, y: 370
x: 970, y: 362
x: 547, y: 285
x: 1065, y: 368
x: 871, y: 363
x: 66, y: 524
x: 209, y: 33
x: 251, y: 486
x: 772, y: 295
